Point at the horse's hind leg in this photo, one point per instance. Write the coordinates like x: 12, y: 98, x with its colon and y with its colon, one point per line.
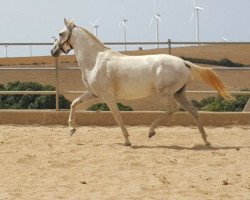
x: 180, y: 97
x: 171, y: 106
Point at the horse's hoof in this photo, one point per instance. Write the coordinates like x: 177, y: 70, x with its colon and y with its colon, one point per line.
x: 208, y: 144
x: 151, y: 134
x: 127, y: 144
x: 72, y: 131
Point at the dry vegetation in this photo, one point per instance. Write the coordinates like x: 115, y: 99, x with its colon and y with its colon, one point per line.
x: 40, y: 60
x: 235, y: 53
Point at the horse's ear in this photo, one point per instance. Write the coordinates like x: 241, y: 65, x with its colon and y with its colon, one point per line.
x: 66, y: 22
x: 69, y: 24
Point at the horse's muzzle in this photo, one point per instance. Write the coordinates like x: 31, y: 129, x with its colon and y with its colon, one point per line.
x: 55, y: 52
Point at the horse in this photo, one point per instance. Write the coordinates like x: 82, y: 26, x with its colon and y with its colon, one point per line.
x: 109, y: 76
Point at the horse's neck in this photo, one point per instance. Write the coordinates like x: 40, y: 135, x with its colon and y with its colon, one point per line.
x: 86, y: 49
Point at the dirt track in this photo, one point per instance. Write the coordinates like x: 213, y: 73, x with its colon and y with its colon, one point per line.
x: 45, y: 163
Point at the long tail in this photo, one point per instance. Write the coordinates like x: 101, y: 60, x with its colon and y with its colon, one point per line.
x: 211, y: 78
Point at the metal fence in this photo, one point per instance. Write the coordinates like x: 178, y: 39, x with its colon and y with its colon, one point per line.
x: 56, y: 68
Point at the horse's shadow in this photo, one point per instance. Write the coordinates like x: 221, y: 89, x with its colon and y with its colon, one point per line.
x: 194, y: 148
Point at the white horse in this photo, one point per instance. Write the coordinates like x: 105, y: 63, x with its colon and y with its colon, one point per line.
x: 109, y: 75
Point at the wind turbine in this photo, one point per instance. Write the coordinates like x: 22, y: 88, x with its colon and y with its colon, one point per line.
x: 156, y: 17
x: 53, y: 38
x: 123, y: 23
x: 95, y: 26
x: 197, y: 10
x: 224, y: 39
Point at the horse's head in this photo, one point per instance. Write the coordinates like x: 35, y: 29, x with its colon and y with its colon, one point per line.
x: 62, y: 44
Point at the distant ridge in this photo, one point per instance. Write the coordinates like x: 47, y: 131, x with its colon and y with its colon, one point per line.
x: 235, y: 53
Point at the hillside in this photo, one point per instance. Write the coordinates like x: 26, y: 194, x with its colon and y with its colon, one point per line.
x: 235, y: 53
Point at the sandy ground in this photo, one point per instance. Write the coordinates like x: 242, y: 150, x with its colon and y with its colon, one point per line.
x: 45, y: 163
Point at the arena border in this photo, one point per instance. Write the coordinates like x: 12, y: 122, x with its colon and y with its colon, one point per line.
x: 51, y: 117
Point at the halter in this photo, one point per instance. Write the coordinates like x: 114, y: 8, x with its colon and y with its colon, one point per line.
x: 66, y: 41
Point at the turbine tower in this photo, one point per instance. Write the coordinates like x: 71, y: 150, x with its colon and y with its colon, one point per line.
x: 156, y: 17
x: 30, y: 49
x: 6, y: 50
x: 123, y: 23
x: 95, y: 26
x: 197, y: 11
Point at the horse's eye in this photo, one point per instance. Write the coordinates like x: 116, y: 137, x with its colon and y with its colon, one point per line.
x: 60, y: 34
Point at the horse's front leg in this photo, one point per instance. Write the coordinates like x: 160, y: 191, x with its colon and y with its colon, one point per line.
x: 111, y: 102
x: 84, y: 98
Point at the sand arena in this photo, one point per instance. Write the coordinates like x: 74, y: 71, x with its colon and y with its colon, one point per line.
x: 39, y: 162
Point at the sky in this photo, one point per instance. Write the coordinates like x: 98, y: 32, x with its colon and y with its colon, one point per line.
x: 39, y: 20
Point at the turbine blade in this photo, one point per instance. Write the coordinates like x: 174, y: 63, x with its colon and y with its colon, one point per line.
x: 224, y: 39
x: 198, y: 8
x: 157, y: 16
x: 194, y: 3
x: 192, y: 16
x: 124, y: 24
x: 91, y: 23
x: 97, y: 20
x: 123, y: 11
x: 154, y: 6
x: 151, y: 21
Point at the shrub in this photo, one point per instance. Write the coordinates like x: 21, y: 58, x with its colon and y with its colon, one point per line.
x: 30, y: 101
x: 104, y: 107
x: 219, y: 104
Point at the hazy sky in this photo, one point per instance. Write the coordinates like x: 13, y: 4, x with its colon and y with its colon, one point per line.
x: 39, y: 20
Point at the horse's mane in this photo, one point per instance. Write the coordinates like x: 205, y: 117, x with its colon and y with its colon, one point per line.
x: 94, y: 38
x: 72, y: 24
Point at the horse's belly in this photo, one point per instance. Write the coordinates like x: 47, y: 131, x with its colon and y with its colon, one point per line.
x: 135, y: 91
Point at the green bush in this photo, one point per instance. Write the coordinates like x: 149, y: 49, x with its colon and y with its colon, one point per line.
x: 104, y: 107
x: 221, y: 105
x: 30, y: 101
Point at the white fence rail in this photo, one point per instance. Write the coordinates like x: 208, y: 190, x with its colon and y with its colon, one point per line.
x: 56, y: 69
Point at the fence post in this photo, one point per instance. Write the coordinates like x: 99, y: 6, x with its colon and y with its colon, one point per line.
x: 56, y: 84
x: 169, y: 46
